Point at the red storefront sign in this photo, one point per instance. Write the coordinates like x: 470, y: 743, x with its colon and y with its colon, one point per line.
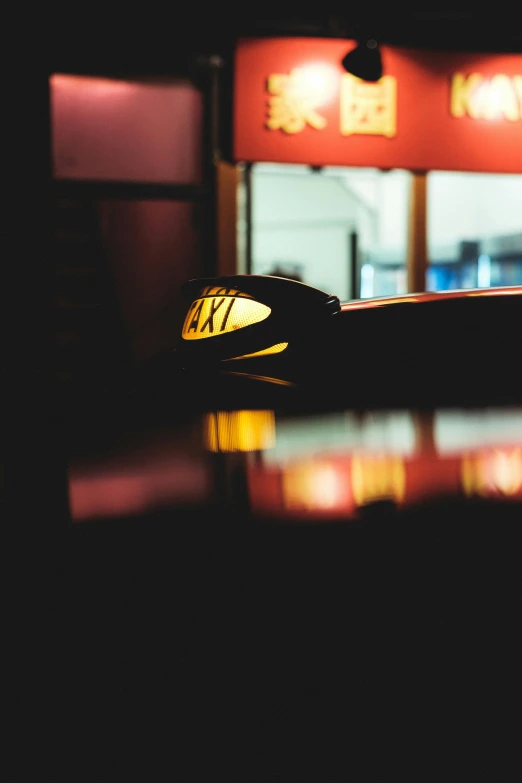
x: 294, y: 103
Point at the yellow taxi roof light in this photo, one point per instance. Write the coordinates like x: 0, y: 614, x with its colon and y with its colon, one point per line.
x: 218, y: 311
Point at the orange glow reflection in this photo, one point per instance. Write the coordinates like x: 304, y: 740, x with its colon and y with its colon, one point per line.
x: 378, y: 478
x: 314, y: 483
x: 497, y: 472
x: 228, y: 431
x: 315, y: 486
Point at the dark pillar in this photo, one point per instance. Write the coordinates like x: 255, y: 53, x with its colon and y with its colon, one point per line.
x: 417, y: 261
x: 355, y: 284
x: 34, y: 487
x: 34, y: 459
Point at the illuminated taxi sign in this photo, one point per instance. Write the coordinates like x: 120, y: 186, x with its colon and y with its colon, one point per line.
x: 219, y: 310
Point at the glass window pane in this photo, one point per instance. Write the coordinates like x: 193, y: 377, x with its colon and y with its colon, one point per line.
x: 474, y: 230
x: 303, y: 220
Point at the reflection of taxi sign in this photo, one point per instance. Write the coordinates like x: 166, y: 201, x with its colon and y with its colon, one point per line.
x: 219, y: 310
x: 227, y: 431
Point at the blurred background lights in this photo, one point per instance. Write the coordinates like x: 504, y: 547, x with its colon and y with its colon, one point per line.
x: 319, y: 81
x: 497, y: 98
x: 484, y: 271
x: 367, y: 274
x: 314, y: 486
x: 506, y: 471
x: 229, y: 431
x: 493, y: 472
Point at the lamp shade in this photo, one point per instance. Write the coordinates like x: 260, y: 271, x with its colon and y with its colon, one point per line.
x: 364, y: 61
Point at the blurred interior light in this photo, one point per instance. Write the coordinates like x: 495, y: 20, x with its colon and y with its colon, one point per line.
x: 367, y: 273
x: 364, y: 61
x: 484, y: 271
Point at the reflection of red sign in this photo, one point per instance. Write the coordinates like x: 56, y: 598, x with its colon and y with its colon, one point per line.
x: 368, y: 108
x: 431, y: 110
x: 496, y: 472
x: 333, y: 487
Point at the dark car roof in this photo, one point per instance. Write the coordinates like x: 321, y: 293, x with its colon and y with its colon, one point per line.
x: 432, y: 296
x: 421, y: 350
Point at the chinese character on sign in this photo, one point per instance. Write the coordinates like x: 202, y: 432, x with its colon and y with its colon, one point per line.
x: 368, y: 108
x: 293, y: 103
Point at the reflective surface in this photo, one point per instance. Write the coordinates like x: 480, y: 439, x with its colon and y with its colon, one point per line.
x: 251, y: 582
x: 312, y: 468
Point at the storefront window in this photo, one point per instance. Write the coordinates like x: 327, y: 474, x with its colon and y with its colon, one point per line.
x: 303, y: 221
x: 306, y: 224
x: 474, y: 230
